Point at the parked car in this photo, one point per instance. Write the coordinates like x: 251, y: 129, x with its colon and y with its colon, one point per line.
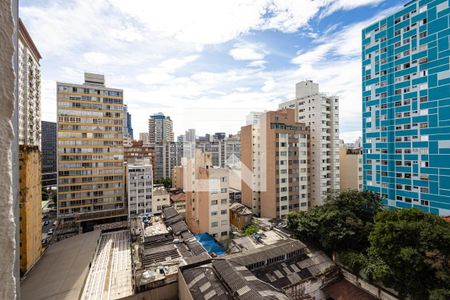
x: 46, y: 223
x: 50, y: 232
x: 44, y: 241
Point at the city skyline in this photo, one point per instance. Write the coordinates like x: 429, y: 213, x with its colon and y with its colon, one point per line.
x: 201, y: 74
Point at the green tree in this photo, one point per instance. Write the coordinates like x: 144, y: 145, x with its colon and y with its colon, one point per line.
x: 167, y: 182
x: 343, y: 223
x: 413, y: 248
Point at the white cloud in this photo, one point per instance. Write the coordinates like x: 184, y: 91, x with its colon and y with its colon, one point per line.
x: 173, y: 64
x: 151, y: 50
x: 348, y: 5
x: 247, y: 51
x: 96, y: 58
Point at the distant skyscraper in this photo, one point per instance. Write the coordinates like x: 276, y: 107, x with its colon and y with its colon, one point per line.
x: 29, y: 90
x: 160, y: 129
x: 129, y: 126
x: 406, y: 112
x: 90, y: 148
x: 143, y: 136
x: 274, y: 157
x: 166, y: 157
x: 321, y: 114
x: 253, y: 118
x: 48, y: 147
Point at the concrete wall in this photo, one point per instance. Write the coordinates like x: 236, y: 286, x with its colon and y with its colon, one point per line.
x: 8, y: 152
x: 167, y: 292
x: 30, y: 198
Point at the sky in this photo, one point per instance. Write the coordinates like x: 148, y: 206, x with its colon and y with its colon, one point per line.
x: 205, y: 63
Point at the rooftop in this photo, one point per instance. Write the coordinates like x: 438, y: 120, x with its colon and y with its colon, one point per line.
x: 240, y: 209
x: 65, y: 279
x: 110, y: 273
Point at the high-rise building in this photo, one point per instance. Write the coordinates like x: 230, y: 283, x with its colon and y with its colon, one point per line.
x: 127, y: 129
x: 321, y: 114
x: 166, y: 157
x: 406, y: 117
x: 139, y: 187
x: 274, y: 157
x: 207, y: 198
x: 143, y: 136
x: 29, y: 123
x: 350, y: 161
x: 48, y: 147
x: 160, y: 129
x: 90, y: 150
x: 29, y: 90
x: 30, y: 195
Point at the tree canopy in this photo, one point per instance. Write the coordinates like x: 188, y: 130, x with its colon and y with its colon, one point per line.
x: 415, y: 249
x: 343, y: 222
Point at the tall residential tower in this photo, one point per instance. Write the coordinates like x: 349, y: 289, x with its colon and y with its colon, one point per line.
x: 90, y: 150
x: 274, y: 164
x: 160, y: 129
x: 406, y: 107
x: 321, y: 114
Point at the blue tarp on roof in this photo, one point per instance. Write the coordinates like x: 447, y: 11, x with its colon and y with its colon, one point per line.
x: 209, y: 243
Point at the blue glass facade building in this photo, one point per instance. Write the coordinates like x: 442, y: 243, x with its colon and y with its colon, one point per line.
x: 406, y: 107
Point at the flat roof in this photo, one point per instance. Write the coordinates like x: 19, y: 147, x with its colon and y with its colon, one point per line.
x: 62, y: 270
x: 110, y: 273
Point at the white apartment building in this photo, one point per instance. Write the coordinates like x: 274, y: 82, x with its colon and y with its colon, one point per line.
x: 139, y: 187
x: 321, y: 113
x: 29, y: 90
x: 160, y: 129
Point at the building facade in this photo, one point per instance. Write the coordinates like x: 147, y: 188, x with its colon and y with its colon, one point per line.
x: 30, y: 197
x: 406, y: 117
x: 137, y: 149
x: 350, y: 161
x: 143, y: 136
x: 207, y: 202
x: 48, y: 147
x: 29, y: 79
x: 160, y: 129
x: 274, y: 158
x: 139, y: 187
x: 90, y: 150
x: 161, y: 199
x: 166, y: 157
x: 321, y: 114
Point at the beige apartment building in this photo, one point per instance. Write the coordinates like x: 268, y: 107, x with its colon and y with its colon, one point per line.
x: 30, y: 197
x: 274, y: 164
x: 351, y: 167
x: 90, y: 151
x: 161, y: 198
x: 321, y: 114
x: 207, y: 198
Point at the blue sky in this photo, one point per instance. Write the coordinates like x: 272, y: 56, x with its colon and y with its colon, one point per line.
x: 205, y: 63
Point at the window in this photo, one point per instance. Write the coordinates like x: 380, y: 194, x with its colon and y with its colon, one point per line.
x: 214, y: 224
x: 223, y: 212
x: 214, y: 202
